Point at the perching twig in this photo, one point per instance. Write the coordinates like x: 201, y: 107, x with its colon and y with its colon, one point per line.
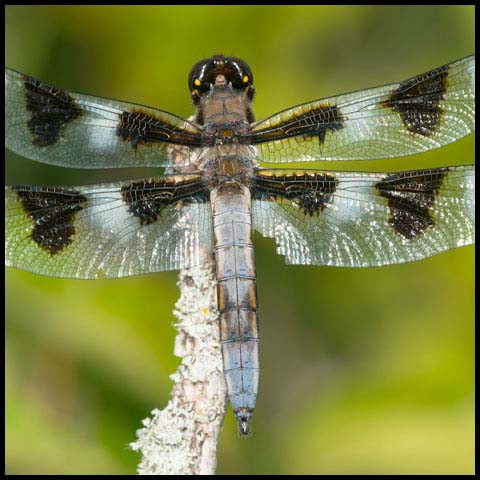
x: 182, y: 438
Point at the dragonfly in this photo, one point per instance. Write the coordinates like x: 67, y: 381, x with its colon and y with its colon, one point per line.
x: 213, y: 192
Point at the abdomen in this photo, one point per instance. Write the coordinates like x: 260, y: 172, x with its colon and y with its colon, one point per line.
x: 237, y: 297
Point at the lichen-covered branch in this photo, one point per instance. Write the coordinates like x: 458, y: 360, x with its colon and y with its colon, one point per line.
x: 182, y: 438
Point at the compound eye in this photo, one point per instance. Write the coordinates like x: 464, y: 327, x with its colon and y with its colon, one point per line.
x: 198, y: 88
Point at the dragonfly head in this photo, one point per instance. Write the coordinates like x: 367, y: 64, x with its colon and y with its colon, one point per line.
x: 220, y: 70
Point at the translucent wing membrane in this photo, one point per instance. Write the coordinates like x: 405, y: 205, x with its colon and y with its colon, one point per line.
x: 353, y: 219
x: 53, y: 126
x: 111, y: 230
x: 419, y: 114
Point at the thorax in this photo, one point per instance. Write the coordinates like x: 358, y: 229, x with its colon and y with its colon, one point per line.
x: 225, y: 160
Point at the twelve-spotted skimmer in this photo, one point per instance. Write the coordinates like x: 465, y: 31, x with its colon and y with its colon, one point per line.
x: 214, y: 193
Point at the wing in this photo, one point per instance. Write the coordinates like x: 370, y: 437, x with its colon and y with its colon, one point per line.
x: 112, y: 230
x: 53, y: 126
x: 421, y: 113
x: 351, y: 219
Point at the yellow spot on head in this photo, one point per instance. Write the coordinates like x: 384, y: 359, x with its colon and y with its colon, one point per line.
x: 197, y: 82
x: 245, y: 79
x: 205, y: 310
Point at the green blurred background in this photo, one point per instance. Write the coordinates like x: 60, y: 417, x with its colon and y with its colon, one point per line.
x: 364, y: 371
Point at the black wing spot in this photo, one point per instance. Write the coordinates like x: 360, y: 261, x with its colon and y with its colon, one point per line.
x: 417, y: 101
x: 312, y: 192
x: 50, y: 108
x: 330, y: 120
x: 315, y: 122
x: 411, y: 195
x: 52, y: 210
x: 140, y: 128
x: 147, y: 198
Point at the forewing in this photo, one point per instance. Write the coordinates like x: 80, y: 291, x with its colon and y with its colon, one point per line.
x: 422, y: 113
x: 54, y: 126
x: 111, y: 230
x: 353, y: 219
